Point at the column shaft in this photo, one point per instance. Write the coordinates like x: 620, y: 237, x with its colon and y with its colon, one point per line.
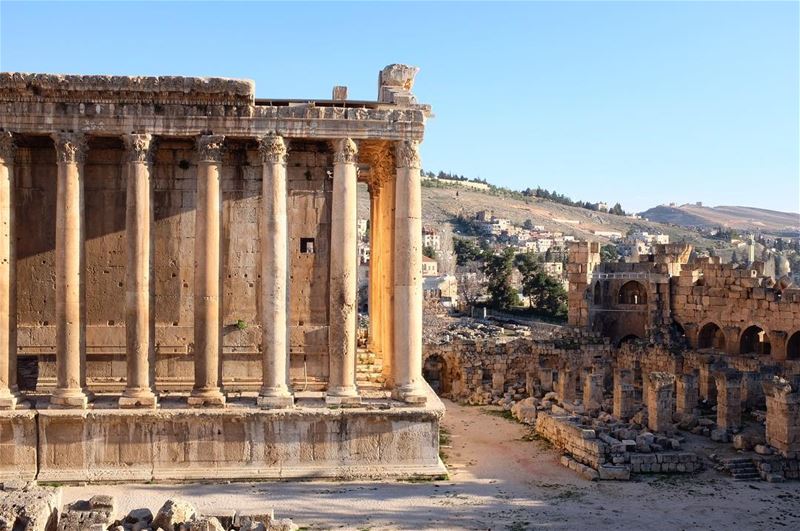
x: 408, y: 276
x: 139, y: 389
x: 70, y: 296
x: 274, y: 275
x: 9, y: 393
x: 344, y: 275
x: 207, y: 329
x: 374, y: 265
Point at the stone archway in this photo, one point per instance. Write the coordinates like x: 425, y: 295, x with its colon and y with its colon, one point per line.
x: 632, y: 292
x: 435, y: 373
x: 711, y: 336
x: 630, y: 338
x: 754, y: 340
x: 793, y: 347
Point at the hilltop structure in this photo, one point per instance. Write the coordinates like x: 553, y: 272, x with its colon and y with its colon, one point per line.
x: 170, y: 235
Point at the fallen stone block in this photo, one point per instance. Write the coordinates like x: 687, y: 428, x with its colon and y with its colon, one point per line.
x: 30, y: 509
x: 172, y: 513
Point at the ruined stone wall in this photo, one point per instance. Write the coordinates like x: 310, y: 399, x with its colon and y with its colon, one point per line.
x: 174, y: 185
x: 713, y: 294
x: 481, y: 371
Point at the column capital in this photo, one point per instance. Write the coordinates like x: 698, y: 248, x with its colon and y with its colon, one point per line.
x: 8, y: 147
x: 140, y: 147
x: 345, y: 151
x: 407, y: 154
x: 272, y: 148
x: 71, y: 148
x: 210, y: 148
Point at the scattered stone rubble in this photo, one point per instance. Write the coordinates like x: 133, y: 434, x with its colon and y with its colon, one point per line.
x: 36, y: 509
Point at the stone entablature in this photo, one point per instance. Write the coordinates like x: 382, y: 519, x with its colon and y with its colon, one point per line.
x: 189, y: 106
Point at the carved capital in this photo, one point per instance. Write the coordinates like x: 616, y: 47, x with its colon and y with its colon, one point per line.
x: 140, y: 148
x: 407, y: 154
x: 71, y: 148
x: 345, y: 151
x: 7, y: 147
x: 210, y: 148
x: 272, y: 149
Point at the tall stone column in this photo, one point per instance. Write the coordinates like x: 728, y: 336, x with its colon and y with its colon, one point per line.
x: 70, y: 389
x: 207, y: 228
x: 274, y: 275
x: 9, y: 392
x: 140, y: 346
x: 344, y: 276
x: 408, y: 275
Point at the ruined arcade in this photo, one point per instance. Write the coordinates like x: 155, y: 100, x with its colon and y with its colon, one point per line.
x: 178, y: 281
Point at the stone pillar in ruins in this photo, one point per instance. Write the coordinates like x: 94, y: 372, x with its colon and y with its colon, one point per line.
x: 207, y: 228
x: 274, y: 275
x: 9, y: 392
x: 686, y: 394
x: 583, y: 258
x: 409, y: 386
x: 707, y: 389
x: 70, y: 389
x: 783, y: 415
x: 344, y: 273
x: 624, y: 406
x: 593, y: 391
x: 729, y: 399
x: 566, y: 384
x: 140, y: 345
x: 660, y: 401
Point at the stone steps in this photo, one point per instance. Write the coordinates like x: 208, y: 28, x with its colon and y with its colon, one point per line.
x: 741, y: 469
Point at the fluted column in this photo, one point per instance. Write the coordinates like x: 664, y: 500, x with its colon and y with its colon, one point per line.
x: 70, y: 295
x: 344, y: 275
x: 408, y: 275
x: 374, y: 269
x: 207, y: 330
x: 274, y: 275
x: 9, y: 392
x: 140, y: 348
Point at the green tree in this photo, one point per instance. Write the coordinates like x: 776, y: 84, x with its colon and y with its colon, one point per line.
x: 466, y: 251
x: 498, y: 269
x: 617, y: 209
x: 609, y: 253
x: 429, y: 251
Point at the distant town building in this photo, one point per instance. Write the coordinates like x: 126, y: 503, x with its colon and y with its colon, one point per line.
x: 442, y: 288
x: 431, y: 238
x: 429, y: 267
x: 362, y: 227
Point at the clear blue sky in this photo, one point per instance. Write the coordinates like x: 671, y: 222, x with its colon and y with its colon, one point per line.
x: 637, y: 102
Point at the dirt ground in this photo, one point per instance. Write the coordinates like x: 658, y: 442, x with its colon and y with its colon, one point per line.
x: 500, y: 479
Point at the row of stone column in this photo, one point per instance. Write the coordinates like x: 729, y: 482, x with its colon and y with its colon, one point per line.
x: 71, y: 390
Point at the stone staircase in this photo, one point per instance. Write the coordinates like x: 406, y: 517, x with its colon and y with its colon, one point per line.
x: 369, y: 370
x: 741, y: 468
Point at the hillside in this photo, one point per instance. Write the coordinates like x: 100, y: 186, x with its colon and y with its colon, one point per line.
x: 441, y: 206
x: 735, y: 217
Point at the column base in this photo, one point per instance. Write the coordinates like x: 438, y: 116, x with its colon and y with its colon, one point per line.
x: 70, y: 398
x: 10, y: 400
x: 138, y: 399
x: 341, y: 396
x: 410, y: 394
x: 275, y: 402
x: 206, y: 398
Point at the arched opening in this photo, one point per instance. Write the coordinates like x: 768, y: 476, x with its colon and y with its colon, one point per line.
x: 711, y: 336
x: 435, y: 373
x: 597, y: 294
x: 632, y: 292
x: 754, y: 340
x: 630, y: 338
x: 793, y: 346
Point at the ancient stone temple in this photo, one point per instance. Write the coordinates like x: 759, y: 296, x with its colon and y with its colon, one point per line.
x: 178, y: 270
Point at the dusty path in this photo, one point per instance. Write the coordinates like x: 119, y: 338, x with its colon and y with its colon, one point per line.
x: 498, y: 481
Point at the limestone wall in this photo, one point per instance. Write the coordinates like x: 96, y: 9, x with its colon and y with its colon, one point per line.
x: 174, y: 185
